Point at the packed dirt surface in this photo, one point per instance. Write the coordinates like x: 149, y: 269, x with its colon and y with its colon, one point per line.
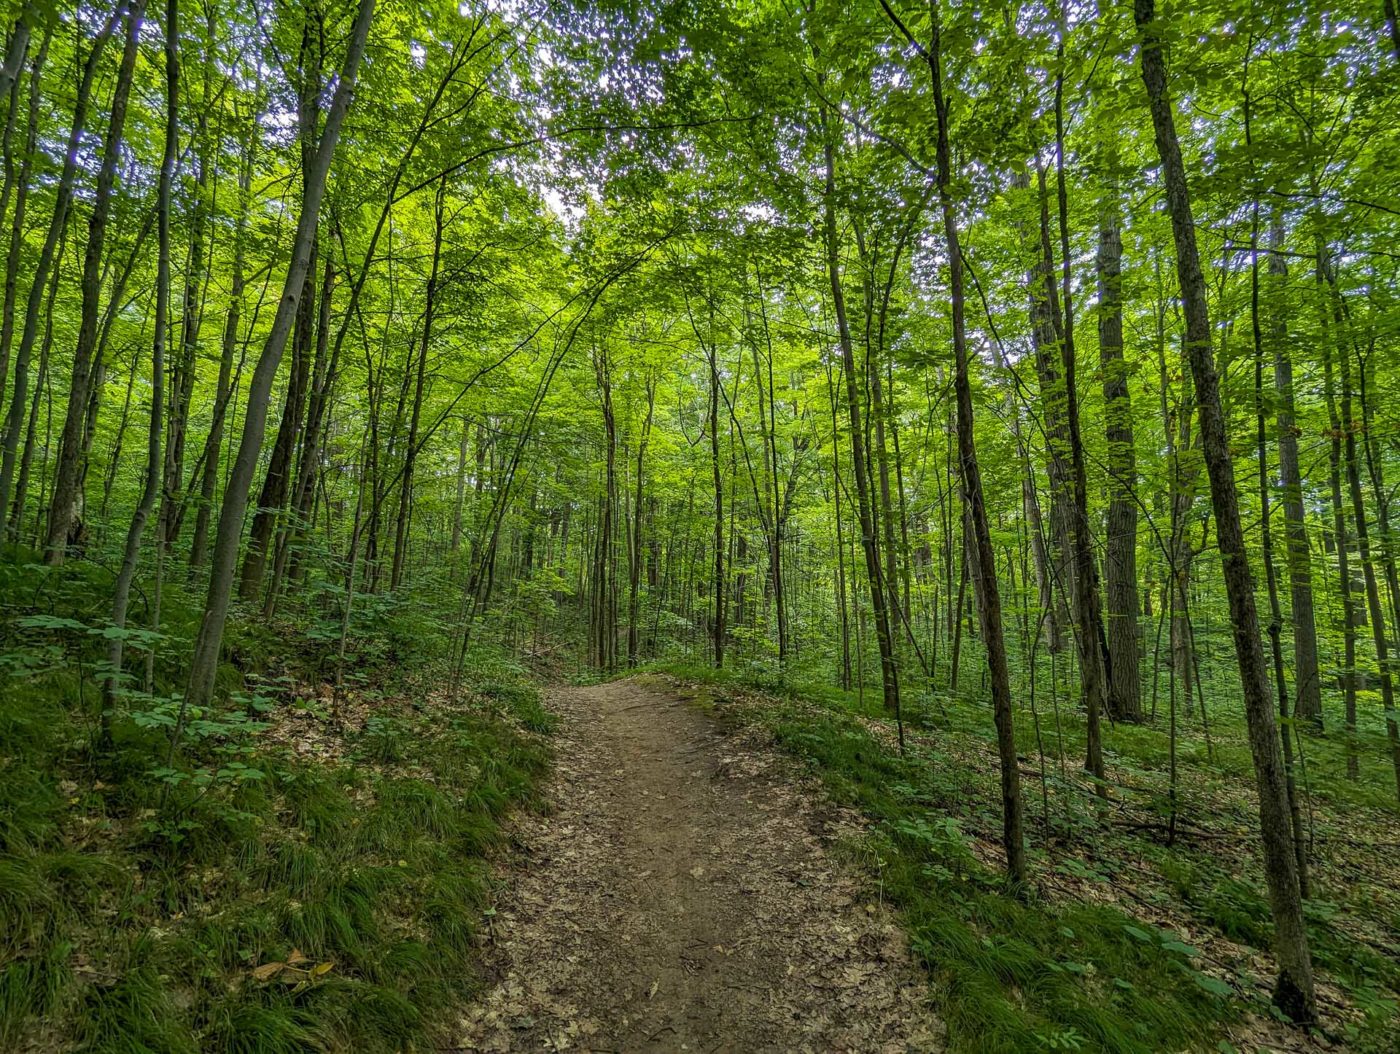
x: 678, y: 895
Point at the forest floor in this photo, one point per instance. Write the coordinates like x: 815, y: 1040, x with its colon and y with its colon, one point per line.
x: 685, y: 889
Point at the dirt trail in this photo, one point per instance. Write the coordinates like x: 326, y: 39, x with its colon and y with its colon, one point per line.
x: 679, y: 896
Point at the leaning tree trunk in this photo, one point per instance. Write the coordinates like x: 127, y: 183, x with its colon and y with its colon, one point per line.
x: 1293, y: 993
x: 225, y: 555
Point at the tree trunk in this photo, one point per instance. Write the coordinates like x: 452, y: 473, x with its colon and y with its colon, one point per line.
x: 720, y: 594
x: 18, y: 184
x: 225, y: 556
x: 415, y: 415
x: 1363, y: 535
x: 41, y: 388
x: 223, y: 390
x: 1293, y: 993
x: 277, y: 481
x: 889, y: 673
x: 121, y: 593
x: 1120, y: 557
x: 1308, y: 683
x: 63, y: 509
x: 1350, y: 616
x: 191, y: 319
x: 843, y: 611
x: 634, y: 566
x: 983, y: 555
x: 14, y: 422
x: 1270, y: 573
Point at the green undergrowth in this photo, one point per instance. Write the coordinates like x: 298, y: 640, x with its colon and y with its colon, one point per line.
x: 1029, y: 972
x: 301, y: 877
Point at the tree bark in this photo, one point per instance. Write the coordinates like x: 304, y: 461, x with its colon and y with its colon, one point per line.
x: 889, y: 673
x: 1293, y: 993
x: 225, y: 555
x: 14, y: 422
x: 1308, y: 683
x: 131, y: 556
x: 1120, y: 557
x: 63, y: 509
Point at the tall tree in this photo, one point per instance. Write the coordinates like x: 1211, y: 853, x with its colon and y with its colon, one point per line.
x: 1293, y: 992
x: 225, y: 555
x: 65, y: 505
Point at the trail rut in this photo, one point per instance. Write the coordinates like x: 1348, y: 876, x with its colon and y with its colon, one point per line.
x: 679, y: 894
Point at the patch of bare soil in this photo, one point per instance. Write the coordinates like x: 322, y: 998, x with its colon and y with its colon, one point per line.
x: 680, y: 895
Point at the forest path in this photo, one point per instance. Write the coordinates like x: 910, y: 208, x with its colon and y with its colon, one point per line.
x: 679, y: 896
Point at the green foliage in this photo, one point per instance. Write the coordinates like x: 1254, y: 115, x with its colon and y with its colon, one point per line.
x: 1012, y: 971
x: 147, y: 932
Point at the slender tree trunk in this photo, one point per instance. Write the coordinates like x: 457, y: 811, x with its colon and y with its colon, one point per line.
x: 309, y: 461
x: 459, y: 502
x: 41, y: 389
x: 721, y: 592
x: 14, y: 422
x: 63, y: 509
x: 191, y: 318
x: 842, y: 609
x: 1120, y: 558
x: 223, y: 390
x: 889, y: 673
x: 415, y: 415
x: 634, y: 566
x: 1308, y: 682
x: 21, y: 181
x: 1363, y: 535
x: 272, y: 499
x: 225, y: 556
x: 1040, y: 283
x: 121, y: 593
x: 983, y: 554
x: 15, y: 51
x: 1068, y: 476
x: 1270, y: 573
x: 1294, y: 991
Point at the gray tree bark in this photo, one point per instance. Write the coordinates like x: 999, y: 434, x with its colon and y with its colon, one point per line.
x: 1293, y: 992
